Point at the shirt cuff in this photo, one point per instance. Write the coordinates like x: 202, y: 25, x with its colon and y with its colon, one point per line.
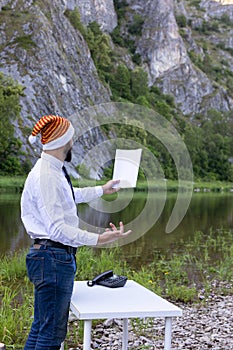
x: 99, y: 191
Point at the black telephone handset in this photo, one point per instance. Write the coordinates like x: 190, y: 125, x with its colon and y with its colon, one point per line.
x: 108, y: 279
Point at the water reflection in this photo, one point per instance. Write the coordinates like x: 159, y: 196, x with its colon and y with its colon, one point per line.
x: 12, y: 234
x: 205, y: 211
x: 140, y: 214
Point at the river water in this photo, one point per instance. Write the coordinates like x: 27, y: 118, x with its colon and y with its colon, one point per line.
x: 206, y: 211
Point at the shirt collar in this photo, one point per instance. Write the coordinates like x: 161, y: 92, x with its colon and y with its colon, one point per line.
x: 53, y: 160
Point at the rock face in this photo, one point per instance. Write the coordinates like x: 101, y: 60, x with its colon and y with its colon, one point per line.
x: 165, y: 56
x: 55, y: 66
x: 44, y: 53
x: 168, y: 58
x: 216, y: 8
x: 101, y: 11
x: 225, y: 2
x: 160, y: 36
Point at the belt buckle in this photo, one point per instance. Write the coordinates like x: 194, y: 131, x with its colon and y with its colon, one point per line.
x: 36, y: 246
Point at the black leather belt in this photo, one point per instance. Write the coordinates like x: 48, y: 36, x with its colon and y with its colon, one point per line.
x: 49, y: 243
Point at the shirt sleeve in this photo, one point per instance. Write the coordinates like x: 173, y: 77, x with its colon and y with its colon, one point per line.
x: 87, y: 194
x: 60, y: 216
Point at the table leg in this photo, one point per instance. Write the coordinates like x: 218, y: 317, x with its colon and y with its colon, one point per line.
x: 168, y: 333
x: 87, y: 335
x: 125, y: 334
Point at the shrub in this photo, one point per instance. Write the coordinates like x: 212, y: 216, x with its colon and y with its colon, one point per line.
x: 136, y: 27
x: 25, y: 42
x: 181, y: 20
x: 75, y: 20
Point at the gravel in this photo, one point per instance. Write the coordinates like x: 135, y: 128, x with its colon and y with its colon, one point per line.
x: 207, y: 324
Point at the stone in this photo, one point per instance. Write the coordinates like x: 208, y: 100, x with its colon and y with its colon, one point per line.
x: 101, y: 11
x: 208, y: 324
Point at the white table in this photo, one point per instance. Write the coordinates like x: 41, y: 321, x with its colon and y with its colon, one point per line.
x: 130, y: 301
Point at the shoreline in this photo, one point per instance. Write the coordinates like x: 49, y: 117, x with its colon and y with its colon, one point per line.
x: 207, y: 303
x: 15, y: 184
x: 203, y: 325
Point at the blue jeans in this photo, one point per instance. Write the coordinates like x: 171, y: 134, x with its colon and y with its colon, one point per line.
x: 52, y: 271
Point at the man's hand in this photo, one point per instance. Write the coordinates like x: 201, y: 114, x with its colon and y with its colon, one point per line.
x: 112, y: 234
x: 108, y: 187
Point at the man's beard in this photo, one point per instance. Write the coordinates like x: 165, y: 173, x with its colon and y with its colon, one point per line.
x: 68, y: 156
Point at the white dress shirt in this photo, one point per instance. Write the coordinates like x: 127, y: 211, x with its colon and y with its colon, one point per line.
x: 48, y: 210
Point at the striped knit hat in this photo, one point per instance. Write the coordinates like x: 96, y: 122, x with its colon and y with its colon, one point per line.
x: 55, y: 132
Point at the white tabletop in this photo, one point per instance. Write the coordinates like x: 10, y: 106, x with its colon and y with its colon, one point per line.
x: 132, y: 300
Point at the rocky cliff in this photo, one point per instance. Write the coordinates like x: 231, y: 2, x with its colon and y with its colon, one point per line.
x: 44, y: 53
x: 101, y: 11
x: 165, y: 50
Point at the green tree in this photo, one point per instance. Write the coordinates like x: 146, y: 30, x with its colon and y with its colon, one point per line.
x: 139, y: 83
x: 218, y: 149
x: 193, y: 138
x: 9, y: 112
x: 117, y: 37
x: 75, y: 20
x: 230, y: 173
x: 100, y: 48
x: 120, y: 6
x: 136, y: 27
x: 120, y: 82
x: 161, y: 103
x: 134, y: 130
x: 181, y: 20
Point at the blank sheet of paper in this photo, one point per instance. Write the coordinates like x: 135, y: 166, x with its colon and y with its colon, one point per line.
x: 126, y: 167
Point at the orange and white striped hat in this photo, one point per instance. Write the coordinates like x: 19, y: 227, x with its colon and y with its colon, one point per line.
x: 55, y: 132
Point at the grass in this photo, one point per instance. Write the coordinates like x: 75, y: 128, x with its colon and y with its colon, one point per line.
x: 11, y: 183
x: 16, y: 306
x: 169, y: 185
x: 215, y: 186
x: 203, y: 264
x: 25, y: 41
x: 15, y: 184
x: 14, y: 20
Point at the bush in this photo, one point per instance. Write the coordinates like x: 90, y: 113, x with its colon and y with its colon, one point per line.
x: 136, y: 27
x: 181, y: 21
x: 25, y: 42
x: 83, y: 171
x: 225, y: 19
x: 116, y: 37
x: 75, y: 20
x: 120, y: 6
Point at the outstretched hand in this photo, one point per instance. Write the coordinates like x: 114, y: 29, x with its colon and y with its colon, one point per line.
x: 108, y: 187
x: 112, y: 234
